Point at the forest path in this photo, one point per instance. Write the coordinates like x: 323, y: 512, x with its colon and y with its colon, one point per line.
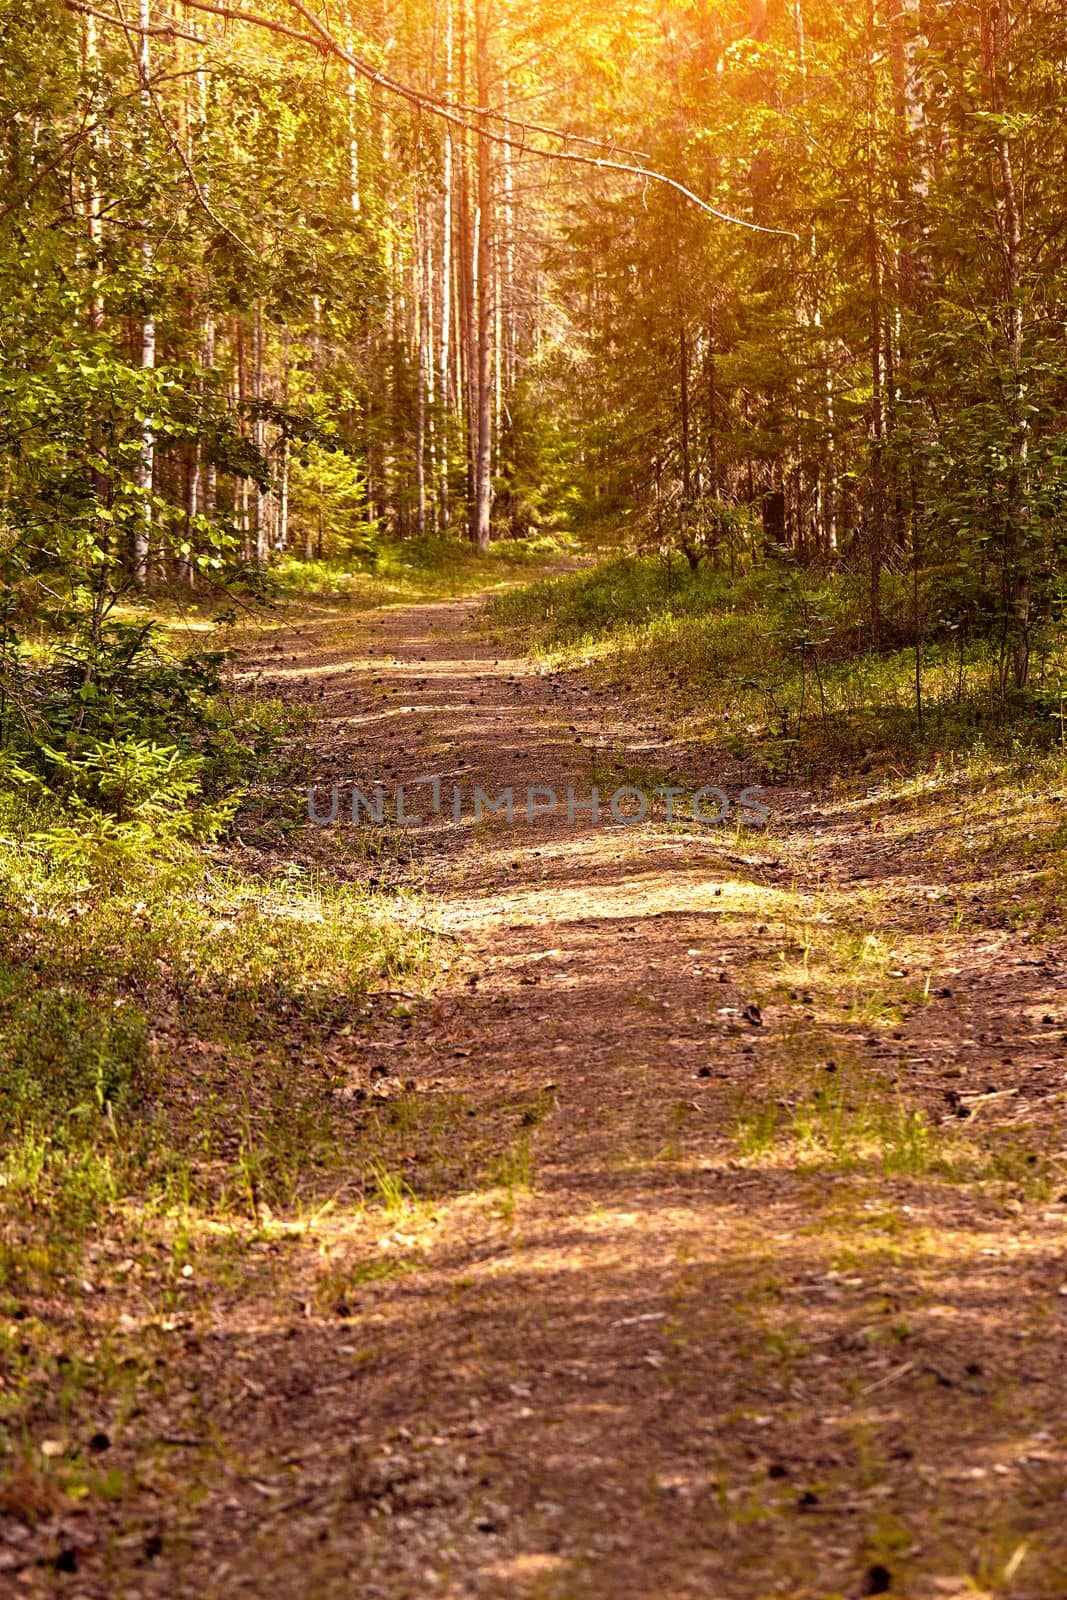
x: 688, y: 1302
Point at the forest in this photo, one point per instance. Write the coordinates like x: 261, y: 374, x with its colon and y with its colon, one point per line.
x: 533, y: 915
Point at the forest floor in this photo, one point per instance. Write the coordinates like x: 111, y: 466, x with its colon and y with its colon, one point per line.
x: 715, y: 1245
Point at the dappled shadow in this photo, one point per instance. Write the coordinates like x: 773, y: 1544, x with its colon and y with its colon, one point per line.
x: 706, y: 1377
x: 612, y: 1280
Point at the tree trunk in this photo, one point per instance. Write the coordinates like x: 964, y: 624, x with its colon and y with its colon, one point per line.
x: 483, y: 486
x: 510, y: 342
x: 421, y: 314
x: 444, y: 510
x: 714, y: 480
x: 466, y: 353
x: 192, y: 508
x: 259, y: 438
x: 683, y: 388
x: 211, y: 471
x: 146, y: 461
x: 94, y: 232
x: 1019, y: 554
x: 876, y: 530
x: 283, y: 498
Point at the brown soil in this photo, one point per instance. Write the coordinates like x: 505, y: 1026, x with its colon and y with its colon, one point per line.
x: 625, y: 1341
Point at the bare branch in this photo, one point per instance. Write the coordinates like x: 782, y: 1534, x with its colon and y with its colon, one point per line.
x: 458, y: 115
x: 257, y: 21
x: 442, y: 108
x: 164, y: 30
x: 328, y: 44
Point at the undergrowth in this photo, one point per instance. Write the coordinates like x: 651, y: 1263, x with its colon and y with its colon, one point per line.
x: 159, y: 982
x: 773, y: 666
x: 390, y: 572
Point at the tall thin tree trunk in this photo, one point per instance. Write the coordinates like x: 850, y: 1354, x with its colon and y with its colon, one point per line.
x: 241, y: 504
x: 94, y: 233
x: 510, y: 342
x: 191, y: 127
x: 421, y: 314
x: 466, y: 352
x: 352, y: 106
x: 496, y: 360
x: 683, y: 396
x: 93, y: 198
x: 186, y: 569
x: 259, y: 437
x: 483, y: 485
x: 876, y: 532
x: 146, y: 461
x: 1019, y: 555
x: 444, y: 398
x: 282, y: 538
x: 283, y: 497
x: 211, y: 471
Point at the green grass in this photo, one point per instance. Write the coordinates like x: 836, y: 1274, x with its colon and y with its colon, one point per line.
x: 175, y: 1013
x: 847, y: 1116
x: 151, y: 1056
x: 174, y: 1050
x: 390, y: 1187
x: 512, y: 1167
x: 773, y: 666
x: 414, y: 570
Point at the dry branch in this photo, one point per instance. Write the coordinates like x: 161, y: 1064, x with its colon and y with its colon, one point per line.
x: 456, y: 114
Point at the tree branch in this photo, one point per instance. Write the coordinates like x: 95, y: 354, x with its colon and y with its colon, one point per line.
x: 173, y: 140
x: 458, y: 115
x: 166, y: 30
x: 442, y: 108
x: 68, y: 147
x: 326, y: 43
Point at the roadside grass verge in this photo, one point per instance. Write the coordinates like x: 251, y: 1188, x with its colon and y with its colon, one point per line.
x: 177, y: 1034
x: 162, y: 976
x: 768, y: 673
x: 393, y: 572
x: 150, y: 1027
x: 772, y: 666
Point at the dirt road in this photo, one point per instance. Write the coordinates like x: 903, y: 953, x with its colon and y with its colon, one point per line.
x: 691, y: 1270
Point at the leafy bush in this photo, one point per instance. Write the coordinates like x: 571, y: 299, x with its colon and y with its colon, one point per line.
x: 126, y: 803
x: 131, y: 747
x: 125, y: 680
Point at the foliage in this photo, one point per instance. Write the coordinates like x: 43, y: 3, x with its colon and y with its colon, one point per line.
x: 772, y: 667
x: 221, y: 351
